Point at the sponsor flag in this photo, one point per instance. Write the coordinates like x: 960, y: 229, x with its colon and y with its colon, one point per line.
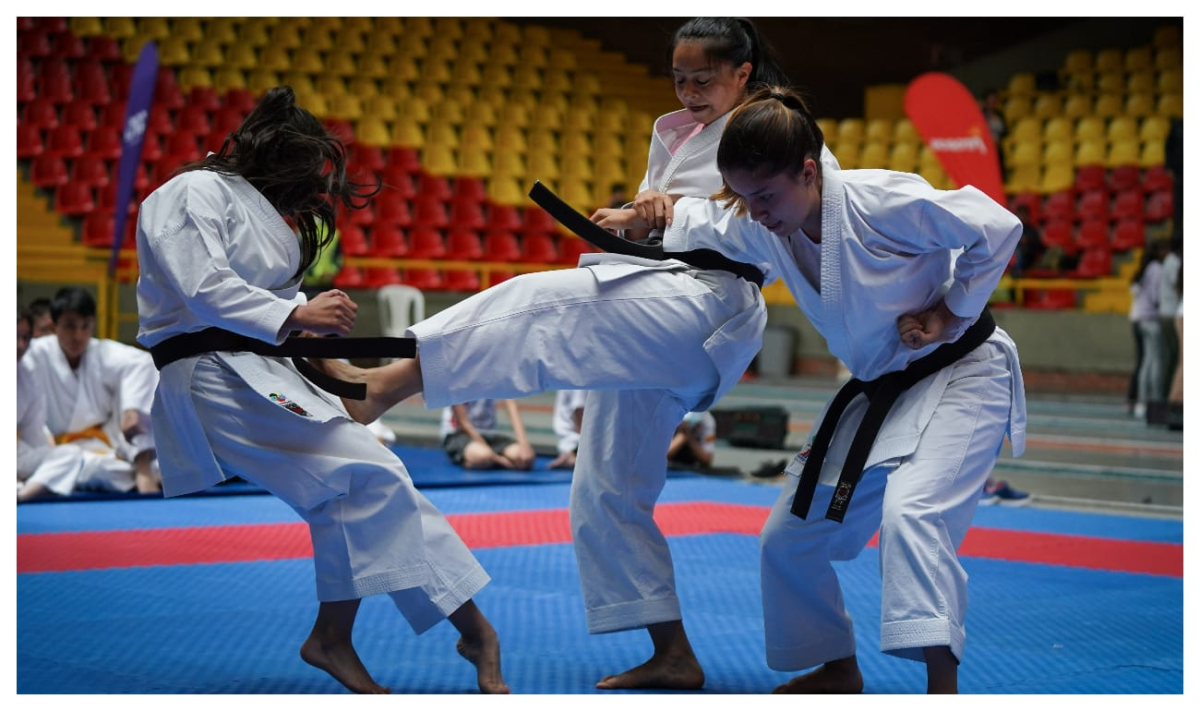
x: 137, y: 114
x: 952, y: 125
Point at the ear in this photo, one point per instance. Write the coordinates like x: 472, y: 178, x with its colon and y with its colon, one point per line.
x: 808, y: 174
x: 743, y: 73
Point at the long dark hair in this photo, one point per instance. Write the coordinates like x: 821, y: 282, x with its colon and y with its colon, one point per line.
x: 289, y: 156
x: 734, y: 40
x: 772, y: 132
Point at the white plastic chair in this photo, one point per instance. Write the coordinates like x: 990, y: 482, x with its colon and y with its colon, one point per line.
x: 399, y: 307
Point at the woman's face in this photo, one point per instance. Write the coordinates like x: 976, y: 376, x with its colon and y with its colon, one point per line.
x: 706, y: 88
x: 781, y: 203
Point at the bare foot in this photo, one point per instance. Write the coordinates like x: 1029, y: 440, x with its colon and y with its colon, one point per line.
x: 484, y: 652
x: 361, y: 411
x: 660, y: 672
x: 837, y: 677
x: 340, y: 661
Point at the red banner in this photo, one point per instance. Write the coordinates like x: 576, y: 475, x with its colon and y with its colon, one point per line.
x: 951, y: 123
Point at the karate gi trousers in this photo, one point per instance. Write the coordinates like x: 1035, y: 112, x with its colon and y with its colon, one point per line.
x: 651, y: 344
x: 922, y: 506
x: 372, y: 531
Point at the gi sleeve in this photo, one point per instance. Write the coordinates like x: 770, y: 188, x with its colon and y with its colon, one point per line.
x: 701, y: 223
x: 189, y: 241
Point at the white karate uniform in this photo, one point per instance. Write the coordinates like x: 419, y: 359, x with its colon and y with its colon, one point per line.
x: 566, y: 402
x: 213, y: 252
x: 886, y: 250
x: 33, y: 438
x: 84, y: 406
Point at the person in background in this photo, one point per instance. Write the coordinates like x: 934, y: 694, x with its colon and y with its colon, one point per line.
x: 695, y: 441
x: 1146, y: 382
x: 568, y: 423
x: 470, y: 439
x: 43, y: 323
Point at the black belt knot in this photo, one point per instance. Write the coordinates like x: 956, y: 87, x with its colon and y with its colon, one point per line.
x: 882, y: 394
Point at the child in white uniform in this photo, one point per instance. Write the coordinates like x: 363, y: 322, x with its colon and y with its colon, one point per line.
x: 215, y: 251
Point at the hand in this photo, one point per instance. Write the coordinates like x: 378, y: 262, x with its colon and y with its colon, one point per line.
x: 654, y: 208
x: 521, y: 455
x: 330, y: 312
x: 920, y: 329
x: 131, y: 424
x: 615, y: 219
x: 566, y: 460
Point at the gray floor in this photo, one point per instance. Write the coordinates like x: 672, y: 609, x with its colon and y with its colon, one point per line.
x: 1083, y: 451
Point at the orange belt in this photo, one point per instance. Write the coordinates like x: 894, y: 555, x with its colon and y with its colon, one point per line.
x: 93, y: 432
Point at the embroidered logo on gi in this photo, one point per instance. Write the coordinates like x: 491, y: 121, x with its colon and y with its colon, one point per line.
x: 842, y: 495
x: 802, y: 457
x: 288, y: 404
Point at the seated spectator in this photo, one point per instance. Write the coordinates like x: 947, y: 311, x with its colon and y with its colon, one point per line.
x: 694, y: 442
x: 471, y: 441
x: 568, y: 423
x: 39, y: 311
x: 98, y: 395
x: 33, y: 439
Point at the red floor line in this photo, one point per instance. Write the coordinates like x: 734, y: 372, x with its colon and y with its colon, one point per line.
x: 98, y: 550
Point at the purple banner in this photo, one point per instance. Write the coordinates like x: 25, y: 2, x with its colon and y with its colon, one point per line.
x: 137, y: 115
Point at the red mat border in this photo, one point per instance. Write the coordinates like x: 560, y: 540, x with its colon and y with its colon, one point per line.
x: 99, y: 550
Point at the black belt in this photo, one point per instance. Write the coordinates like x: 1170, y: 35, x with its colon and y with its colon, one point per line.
x: 599, y: 237
x: 882, y: 394
x: 186, y: 345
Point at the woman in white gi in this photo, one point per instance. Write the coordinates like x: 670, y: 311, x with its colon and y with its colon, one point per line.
x: 216, y: 250
x: 872, y: 257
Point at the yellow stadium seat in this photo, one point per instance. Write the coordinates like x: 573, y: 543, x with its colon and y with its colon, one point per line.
x: 241, y: 56
x: 509, y: 164
x: 1059, y: 128
x: 1091, y: 128
x: 1091, y: 153
x: 465, y: 73
x: 173, y: 52
x: 189, y: 29
x: 314, y: 102
x: 341, y: 64
x: 848, y: 155
x: 381, y: 41
x: 119, y: 27
x: 1138, y: 59
x: 903, y: 157
x: 1018, y: 107
x: 1026, y: 130
x: 412, y: 108
x: 474, y: 163
x: 1170, y: 105
x: 878, y: 131
x: 418, y: 26
x: 157, y: 28
x: 829, y: 127
x: 1079, y: 83
x: 850, y: 130
x: 533, y: 55
x: 1168, y: 36
x: 515, y: 113
x: 372, y: 131
x: 431, y: 93
x: 874, y: 155
x: 1139, y: 105
x: 577, y: 168
x: 1024, y: 153
x: 1047, y: 105
x: 254, y: 32
x: 1124, y: 152
x: 441, y: 133
x: 1140, y: 82
x: 227, y: 78
x: 1078, y: 61
x: 275, y: 57
x: 1170, y: 81
x: 482, y: 113
x: 1122, y: 128
x: 315, y: 39
x: 1077, y: 106
x: 1110, y: 60
x: 557, y: 80
x: 510, y: 138
x: 331, y: 85
x: 608, y: 146
x: 936, y: 176
x: 527, y: 77
x: 542, y: 140
x: 1168, y: 58
x: 1109, y: 105
x: 497, y: 75
x: 1022, y: 179
x: 1022, y: 84
x: 1153, y: 153
x: 1110, y: 82
x: 194, y: 76
x: 476, y: 137
x: 285, y: 35
x: 85, y: 26
x: 349, y: 41
x: 380, y: 106
x: 438, y: 159
x: 259, y: 80
x: 576, y: 145
x: 407, y: 132
x: 905, y: 132
x: 1059, y: 152
x: 1154, y: 128
x: 1057, y: 178
x: 345, y: 106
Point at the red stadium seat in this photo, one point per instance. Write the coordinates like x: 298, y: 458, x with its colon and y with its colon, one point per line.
x: 166, y: 91
x: 426, y: 243
x: 388, y: 241
x: 467, y: 214
x: 1057, y: 232
x: 538, y: 248
x: 48, y: 171
x: 1059, y: 206
x: 1092, y: 205
x: 569, y: 249
x: 1050, y: 299
x: 64, y: 141
x: 423, y: 279
x: 535, y: 219
x: 74, y: 199
x: 429, y: 211
x: 92, y: 84
x: 102, y: 48
x: 392, y: 209
x: 81, y: 114
x: 1093, y: 264
x: 404, y: 157
x: 193, y: 118
x: 349, y: 277
x: 29, y: 142
x: 1092, y: 234
x: 34, y: 43
x: 206, y: 97
x: 90, y: 171
x: 434, y: 186
x: 464, y: 244
x: 98, y: 229
x: 1130, y: 203
x: 105, y: 143
x: 1156, y: 178
x: 1129, y: 234
x: 1124, y: 177
x: 375, y: 277
x: 364, y: 157
x: 1089, y: 177
x: 501, y: 246
x: 460, y: 280
x: 40, y: 113
x: 352, y: 240
x: 503, y: 217
x: 467, y: 188
x: 1160, y: 206
x: 1032, y: 201
x: 67, y: 46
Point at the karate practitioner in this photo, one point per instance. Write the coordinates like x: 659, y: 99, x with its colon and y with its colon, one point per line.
x: 97, y: 395
x: 872, y: 258
x: 216, y: 250
x: 33, y: 438
x: 567, y: 423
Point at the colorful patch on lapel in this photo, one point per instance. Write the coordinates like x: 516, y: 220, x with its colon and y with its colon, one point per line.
x: 282, y: 399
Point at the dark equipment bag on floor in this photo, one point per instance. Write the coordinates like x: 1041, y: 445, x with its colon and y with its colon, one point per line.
x: 753, y: 427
